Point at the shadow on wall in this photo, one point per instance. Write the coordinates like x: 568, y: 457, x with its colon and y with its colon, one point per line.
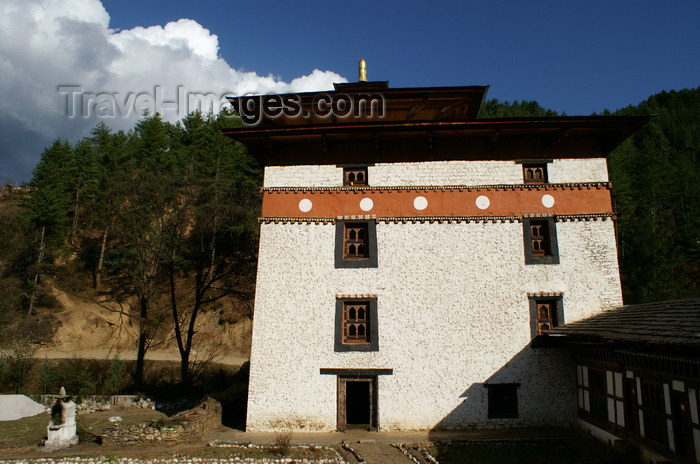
x: 234, y: 399
x: 535, y: 388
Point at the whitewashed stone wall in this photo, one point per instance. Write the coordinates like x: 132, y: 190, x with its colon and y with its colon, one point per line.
x: 437, y: 173
x: 453, y: 314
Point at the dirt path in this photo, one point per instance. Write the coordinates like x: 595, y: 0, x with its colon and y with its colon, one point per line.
x: 380, y: 453
x: 127, y: 355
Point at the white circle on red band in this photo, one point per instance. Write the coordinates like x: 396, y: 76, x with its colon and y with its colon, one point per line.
x: 547, y: 201
x: 482, y: 202
x: 366, y: 204
x: 420, y: 203
x: 305, y: 205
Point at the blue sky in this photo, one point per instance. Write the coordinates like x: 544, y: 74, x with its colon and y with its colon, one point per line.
x: 576, y: 57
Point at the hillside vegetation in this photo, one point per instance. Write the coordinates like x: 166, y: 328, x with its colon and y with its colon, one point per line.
x: 156, y: 229
x: 157, y: 226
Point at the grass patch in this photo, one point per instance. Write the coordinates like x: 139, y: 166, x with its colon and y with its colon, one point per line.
x: 23, y: 433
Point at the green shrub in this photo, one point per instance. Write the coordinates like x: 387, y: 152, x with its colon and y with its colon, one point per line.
x: 115, y: 378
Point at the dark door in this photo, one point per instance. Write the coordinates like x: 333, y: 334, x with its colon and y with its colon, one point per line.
x: 631, y: 406
x: 682, y: 431
x: 357, y: 403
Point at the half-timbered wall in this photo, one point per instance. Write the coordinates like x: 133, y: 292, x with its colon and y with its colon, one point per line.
x: 649, y: 395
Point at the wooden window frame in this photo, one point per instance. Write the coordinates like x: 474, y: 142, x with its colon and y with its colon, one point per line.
x: 354, y: 170
x: 372, y: 331
x: 557, y: 312
x: 598, y: 396
x: 341, y: 261
x: 534, y: 166
x: 655, y: 416
x: 493, y: 405
x: 551, y: 254
x: 355, y: 237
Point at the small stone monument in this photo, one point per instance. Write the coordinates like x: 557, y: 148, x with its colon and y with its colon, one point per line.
x: 61, y: 431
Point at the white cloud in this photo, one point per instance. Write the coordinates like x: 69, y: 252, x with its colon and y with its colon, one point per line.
x: 45, y: 44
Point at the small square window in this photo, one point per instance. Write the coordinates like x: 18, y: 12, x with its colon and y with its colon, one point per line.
x: 503, y: 400
x: 535, y: 173
x: 356, y: 325
x: 540, y: 241
x: 545, y: 313
x: 355, y: 176
x: 355, y: 244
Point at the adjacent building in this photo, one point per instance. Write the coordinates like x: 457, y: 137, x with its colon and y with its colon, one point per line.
x: 410, y: 252
x: 638, y: 376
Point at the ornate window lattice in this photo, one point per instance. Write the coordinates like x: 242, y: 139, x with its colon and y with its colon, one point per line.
x: 355, y: 241
x: 539, y: 238
x: 546, y: 311
x: 356, y: 322
x: 535, y: 173
x: 355, y: 176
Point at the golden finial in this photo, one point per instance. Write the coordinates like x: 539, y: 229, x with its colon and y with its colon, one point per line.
x: 363, y: 71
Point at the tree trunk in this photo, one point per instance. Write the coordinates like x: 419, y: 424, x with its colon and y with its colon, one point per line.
x: 76, y: 216
x: 100, y: 260
x: 36, y: 277
x: 141, y: 353
x: 185, y: 368
x: 184, y: 350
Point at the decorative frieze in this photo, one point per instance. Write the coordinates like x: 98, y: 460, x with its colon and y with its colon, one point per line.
x: 454, y: 201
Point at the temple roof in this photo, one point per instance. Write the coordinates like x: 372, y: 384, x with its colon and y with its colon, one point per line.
x: 401, y: 104
x: 661, y: 323
x: 412, y: 124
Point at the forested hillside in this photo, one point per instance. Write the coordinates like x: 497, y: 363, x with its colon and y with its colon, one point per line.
x: 656, y: 190
x: 159, y: 223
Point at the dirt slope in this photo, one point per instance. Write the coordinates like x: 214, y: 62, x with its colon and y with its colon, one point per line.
x: 88, y: 330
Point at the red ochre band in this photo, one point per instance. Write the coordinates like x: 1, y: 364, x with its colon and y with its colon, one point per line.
x: 549, y: 199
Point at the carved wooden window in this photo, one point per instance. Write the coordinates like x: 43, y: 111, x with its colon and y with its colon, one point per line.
x: 356, y: 322
x: 356, y: 326
x: 540, y: 241
x: 355, y: 241
x: 355, y: 176
x: 539, y: 238
x: 546, y: 313
x: 535, y: 173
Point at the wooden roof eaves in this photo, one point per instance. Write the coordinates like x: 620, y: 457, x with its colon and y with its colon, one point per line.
x: 624, y: 125
x: 534, y: 124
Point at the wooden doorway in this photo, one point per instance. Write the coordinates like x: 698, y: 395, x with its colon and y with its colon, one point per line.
x: 682, y: 424
x: 357, y: 403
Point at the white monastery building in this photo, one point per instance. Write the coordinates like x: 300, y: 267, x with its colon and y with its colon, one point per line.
x: 410, y: 253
